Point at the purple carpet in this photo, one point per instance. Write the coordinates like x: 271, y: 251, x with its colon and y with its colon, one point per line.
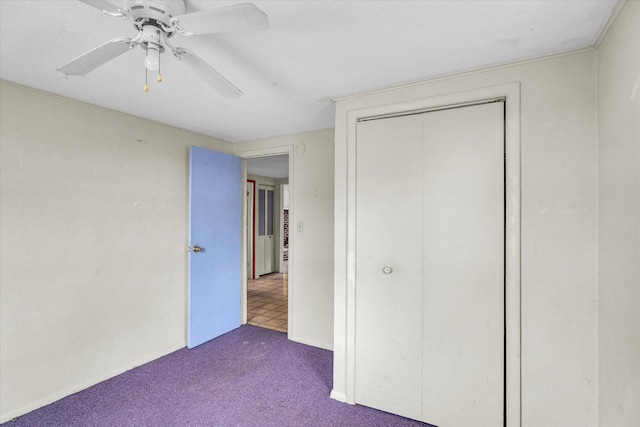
x: 250, y: 377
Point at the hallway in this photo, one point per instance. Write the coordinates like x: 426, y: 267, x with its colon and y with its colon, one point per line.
x: 267, y: 302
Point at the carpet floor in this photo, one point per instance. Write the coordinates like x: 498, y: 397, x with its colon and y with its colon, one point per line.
x: 249, y: 377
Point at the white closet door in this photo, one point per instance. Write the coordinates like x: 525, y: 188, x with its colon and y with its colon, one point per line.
x: 389, y: 306
x: 430, y: 205
x: 463, y: 326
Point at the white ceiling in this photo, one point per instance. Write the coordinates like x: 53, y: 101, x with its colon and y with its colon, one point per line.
x: 269, y: 166
x: 313, y: 51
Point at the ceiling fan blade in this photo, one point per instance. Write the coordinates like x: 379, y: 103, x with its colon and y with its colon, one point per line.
x: 208, y: 74
x: 240, y: 17
x: 104, y: 5
x: 96, y: 57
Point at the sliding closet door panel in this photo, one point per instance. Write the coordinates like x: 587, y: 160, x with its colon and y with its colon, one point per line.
x: 463, y: 264
x: 389, y: 266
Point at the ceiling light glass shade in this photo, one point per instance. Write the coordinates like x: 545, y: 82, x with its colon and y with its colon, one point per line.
x: 152, y: 60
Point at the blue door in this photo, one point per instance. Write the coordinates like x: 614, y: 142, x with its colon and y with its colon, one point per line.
x: 215, y: 202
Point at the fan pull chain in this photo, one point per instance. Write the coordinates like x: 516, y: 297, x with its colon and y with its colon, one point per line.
x: 159, y: 78
x: 146, y: 86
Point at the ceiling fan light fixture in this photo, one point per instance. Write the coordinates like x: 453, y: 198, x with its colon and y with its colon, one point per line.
x: 152, y: 59
x: 159, y: 20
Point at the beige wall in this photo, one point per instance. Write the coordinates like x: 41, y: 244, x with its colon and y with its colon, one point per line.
x: 310, y: 251
x: 93, y: 224
x: 94, y: 227
x: 558, y: 230
x: 619, y: 220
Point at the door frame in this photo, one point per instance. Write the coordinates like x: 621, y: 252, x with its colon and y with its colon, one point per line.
x: 266, y: 152
x: 251, y: 225
x: 345, y: 267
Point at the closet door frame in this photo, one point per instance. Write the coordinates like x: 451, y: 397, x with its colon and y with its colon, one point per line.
x: 344, y: 350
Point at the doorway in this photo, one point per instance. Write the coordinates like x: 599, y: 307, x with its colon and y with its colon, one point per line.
x: 267, y: 289
x: 399, y: 103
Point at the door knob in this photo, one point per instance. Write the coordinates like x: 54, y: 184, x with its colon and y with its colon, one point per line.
x: 387, y: 270
x: 197, y: 249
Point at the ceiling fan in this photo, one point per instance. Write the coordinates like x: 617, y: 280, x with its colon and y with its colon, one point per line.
x: 157, y: 21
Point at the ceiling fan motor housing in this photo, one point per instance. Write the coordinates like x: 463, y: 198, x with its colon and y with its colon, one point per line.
x: 151, y: 35
x: 144, y: 11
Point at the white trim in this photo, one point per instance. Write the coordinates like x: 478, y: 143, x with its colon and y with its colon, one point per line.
x: 429, y: 110
x: 513, y: 258
x: 463, y: 73
x: 244, y: 245
x: 312, y: 343
x: 345, y: 286
x: 263, y: 152
x: 340, y: 397
x: 607, y: 26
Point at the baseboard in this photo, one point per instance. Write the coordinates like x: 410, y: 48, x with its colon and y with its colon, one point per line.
x: 61, y: 394
x: 339, y: 396
x: 312, y: 343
